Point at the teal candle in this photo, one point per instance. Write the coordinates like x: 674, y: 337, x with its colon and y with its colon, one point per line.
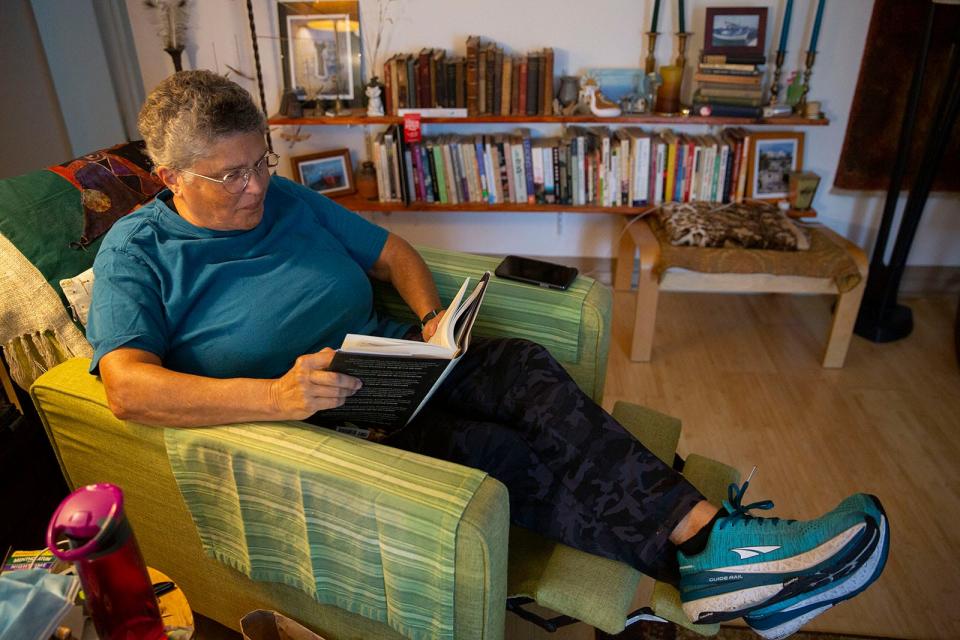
x: 785, y: 30
x: 681, y: 22
x: 656, y: 16
x: 816, y: 26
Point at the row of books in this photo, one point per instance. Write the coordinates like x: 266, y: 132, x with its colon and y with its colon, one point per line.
x: 588, y: 166
x: 729, y: 86
x: 487, y: 81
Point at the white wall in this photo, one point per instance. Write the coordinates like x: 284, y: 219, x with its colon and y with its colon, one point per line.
x: 603, y: 33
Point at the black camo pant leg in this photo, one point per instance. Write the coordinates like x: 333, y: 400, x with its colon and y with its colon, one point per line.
x: 573, y: 473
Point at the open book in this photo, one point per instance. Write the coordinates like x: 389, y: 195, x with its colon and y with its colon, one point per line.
x: 399, y: 376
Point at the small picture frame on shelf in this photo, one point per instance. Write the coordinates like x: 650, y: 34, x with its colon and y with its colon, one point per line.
x: 735, y: 31
x: 326, y: 172
x: 772, y: 157
x: 320, y: 49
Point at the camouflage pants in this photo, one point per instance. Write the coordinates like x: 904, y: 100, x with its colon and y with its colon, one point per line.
x: 573, y: 473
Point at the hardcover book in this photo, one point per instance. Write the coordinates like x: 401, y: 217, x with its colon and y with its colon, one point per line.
x: 400, y: 376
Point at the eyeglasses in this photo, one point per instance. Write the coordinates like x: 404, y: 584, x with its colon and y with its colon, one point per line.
x: 236, y: 180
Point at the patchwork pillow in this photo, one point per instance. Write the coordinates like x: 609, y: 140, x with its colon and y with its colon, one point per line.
x: 747, y: 225
x: 112, y: 183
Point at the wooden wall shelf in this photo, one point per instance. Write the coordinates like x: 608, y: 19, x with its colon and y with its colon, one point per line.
x: 791, y: 121
x: 355, y: 203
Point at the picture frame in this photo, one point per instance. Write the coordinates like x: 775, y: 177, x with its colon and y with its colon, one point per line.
x: 327, y: 172
x: 772, y: 157
x: 320, y: 49
x: 735, y: 31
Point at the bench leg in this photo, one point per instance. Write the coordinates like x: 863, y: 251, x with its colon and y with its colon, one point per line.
x: 841, y: 330
x: 623, y: 273
x: 648, y: 292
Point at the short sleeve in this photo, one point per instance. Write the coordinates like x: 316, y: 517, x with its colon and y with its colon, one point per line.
x: 362, y: 239
x: 126, y: 309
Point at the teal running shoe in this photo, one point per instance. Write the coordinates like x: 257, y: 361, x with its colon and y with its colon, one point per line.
x: 787, y: 616
x: 751, y: 562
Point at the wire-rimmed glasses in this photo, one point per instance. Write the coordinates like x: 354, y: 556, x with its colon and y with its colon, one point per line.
x: 236, y: 180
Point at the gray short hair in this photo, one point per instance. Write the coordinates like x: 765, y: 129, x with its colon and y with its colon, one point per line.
x: 189, y: 111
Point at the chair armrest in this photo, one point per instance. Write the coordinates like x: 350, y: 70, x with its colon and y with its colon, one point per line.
x: 93, y: 446
x: 519, y: 310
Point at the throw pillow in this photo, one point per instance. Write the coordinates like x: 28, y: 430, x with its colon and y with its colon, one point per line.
x: 112, y: 183
x: 78, y: 290
x: 747, y: 225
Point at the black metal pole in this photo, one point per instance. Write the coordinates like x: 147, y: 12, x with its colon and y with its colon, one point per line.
x: 881, y: 318
x: 933, y: 152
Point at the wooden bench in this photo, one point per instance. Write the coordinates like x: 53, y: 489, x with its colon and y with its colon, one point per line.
x: 639, y: 237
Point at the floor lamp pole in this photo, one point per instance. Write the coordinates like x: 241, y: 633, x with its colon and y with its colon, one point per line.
x: 881, y: 318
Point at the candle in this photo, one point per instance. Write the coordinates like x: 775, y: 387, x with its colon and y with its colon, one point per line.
x: 785, y: 30
x: 681, y: 23
x: 656, y: 15
x: 816, y: 26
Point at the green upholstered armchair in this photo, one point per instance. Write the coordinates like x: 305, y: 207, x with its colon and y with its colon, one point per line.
x: 493, y: 562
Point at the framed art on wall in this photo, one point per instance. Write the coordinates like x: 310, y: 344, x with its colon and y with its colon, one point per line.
x: 773, y: 156
x: 320, y: 49
x: 735, y: 31
x: 327, y: 172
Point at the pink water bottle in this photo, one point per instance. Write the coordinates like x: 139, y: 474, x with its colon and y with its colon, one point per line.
x: 118, y: 590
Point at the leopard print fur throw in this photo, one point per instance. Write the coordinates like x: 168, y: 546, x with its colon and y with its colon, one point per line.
x: 747, y: 225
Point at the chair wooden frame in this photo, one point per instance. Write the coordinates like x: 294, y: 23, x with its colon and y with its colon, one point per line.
x: 639, y: 237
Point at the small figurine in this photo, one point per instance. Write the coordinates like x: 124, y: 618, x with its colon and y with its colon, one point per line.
x: 374, y: 104
x: 598, y: 105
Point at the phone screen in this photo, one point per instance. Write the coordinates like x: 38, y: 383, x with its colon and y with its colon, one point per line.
x: 544, y: 274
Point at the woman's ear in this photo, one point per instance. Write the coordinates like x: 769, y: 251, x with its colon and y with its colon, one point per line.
x: 170, y: 178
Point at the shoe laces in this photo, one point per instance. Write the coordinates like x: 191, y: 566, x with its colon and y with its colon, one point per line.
x: 740, y: 513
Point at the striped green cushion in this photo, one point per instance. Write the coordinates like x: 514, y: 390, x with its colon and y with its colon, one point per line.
x: 546, y: 316
x: 286, y: 506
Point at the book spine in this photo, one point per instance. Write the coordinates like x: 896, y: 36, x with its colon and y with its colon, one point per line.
x: 388, y: 105
x: 547, y: 73
x: 506, y: 85
x: 481, y: 169
x: 471, y: 76
x: 441, y: 178
x: 515, y: 87
x: 429, y: 172
x: 538, y: 177
x: 528, y: 169
x: 522, y: 99
x: 533, y: 86
x: 519, y: 174
x: 554, y: 184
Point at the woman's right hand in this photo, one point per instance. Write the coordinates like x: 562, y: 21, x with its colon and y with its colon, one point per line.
x: 308, y: 387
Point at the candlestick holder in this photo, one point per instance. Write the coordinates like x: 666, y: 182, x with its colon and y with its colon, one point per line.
x: 802, y: 105
x: 651, y: 61
x: 775, y: 84
x: 682, y: 48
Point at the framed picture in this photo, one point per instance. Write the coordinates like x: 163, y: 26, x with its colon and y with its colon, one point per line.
x: 735, y: 31
x: 327, y: 172
x: 772, y: 157
x: 320, y: 49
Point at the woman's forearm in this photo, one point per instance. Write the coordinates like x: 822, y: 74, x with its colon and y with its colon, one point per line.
x: 141, y: 389
x: 402, y: 266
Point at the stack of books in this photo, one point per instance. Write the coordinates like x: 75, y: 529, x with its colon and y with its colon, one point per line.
x: 729, y: 86
x: 587, y: 166
x: 487, y: 81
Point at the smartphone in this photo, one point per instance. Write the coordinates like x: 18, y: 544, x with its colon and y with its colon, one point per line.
x: 543, y: 274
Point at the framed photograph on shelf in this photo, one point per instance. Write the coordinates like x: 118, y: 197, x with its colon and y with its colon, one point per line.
x: 320, y: 49
x: 772, y: 157
x: 735, y: 31
x: 327, y: 172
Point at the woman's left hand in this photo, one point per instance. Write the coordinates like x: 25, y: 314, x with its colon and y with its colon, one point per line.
x: 431, y: 327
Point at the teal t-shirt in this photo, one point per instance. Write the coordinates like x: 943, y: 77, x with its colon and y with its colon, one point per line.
x: 237, y: 303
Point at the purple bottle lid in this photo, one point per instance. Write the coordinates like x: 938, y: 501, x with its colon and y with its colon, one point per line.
x: 87, y: 517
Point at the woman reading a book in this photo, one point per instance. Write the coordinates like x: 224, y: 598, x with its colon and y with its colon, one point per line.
x: 222, y: 301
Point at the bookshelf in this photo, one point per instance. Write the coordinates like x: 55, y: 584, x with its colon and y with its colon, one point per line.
x: 348, y: 120
x: 356, y: 203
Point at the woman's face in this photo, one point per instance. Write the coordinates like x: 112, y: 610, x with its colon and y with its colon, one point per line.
x: 205, y: 203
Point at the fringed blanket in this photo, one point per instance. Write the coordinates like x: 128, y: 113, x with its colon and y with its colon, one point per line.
x: 35, y: 330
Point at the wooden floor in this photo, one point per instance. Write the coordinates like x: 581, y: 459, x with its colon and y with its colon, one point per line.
x: 743, y: 374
